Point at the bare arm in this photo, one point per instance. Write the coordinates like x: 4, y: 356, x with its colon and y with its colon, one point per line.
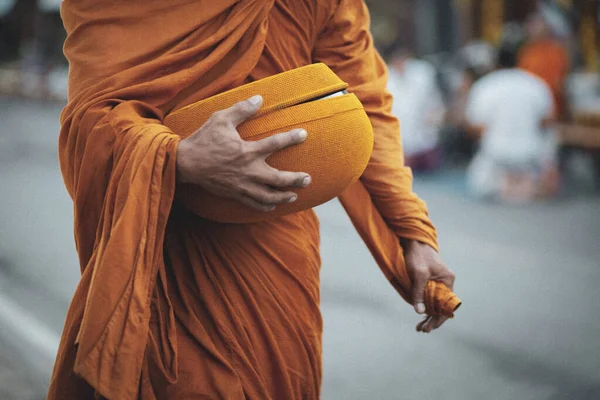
x: 345, y: 45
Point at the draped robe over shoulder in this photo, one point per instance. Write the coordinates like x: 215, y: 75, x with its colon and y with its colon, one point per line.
x: 172, y: 306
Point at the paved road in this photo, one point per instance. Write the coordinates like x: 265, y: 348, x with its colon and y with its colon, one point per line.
x: 528, y: 277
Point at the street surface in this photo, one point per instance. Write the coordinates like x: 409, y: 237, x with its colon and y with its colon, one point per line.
x: 529, y: 327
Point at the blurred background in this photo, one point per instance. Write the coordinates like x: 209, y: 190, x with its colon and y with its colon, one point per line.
x: 499, y: 102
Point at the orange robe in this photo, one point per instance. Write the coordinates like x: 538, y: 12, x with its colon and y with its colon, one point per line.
x: 171, y: 306
x: 548, y: 60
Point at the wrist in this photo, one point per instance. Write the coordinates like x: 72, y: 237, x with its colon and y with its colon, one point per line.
x: 406, y: 243
x: 412, y: 244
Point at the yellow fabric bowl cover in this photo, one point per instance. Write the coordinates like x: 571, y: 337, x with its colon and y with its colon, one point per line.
x: 338, y: 148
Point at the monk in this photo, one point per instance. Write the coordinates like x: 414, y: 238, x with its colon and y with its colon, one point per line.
x: 172, y: 306
x: 545, y: 57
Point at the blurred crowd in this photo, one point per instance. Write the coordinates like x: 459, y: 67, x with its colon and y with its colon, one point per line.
x: 31, y: 59
x: 508, y: 114
x: 509, y: 102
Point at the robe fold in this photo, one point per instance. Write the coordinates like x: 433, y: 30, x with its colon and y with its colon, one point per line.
x: 172, y: 306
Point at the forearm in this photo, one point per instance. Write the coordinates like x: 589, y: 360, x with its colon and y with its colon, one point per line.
x: 389, y: 181
x: 346, y: 46
x: 96, y: 151
x: 403, y: 211
x: 119, y: 166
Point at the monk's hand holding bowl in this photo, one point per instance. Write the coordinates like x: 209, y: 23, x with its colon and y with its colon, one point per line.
x: 423, y: 264
x: 217, y: 159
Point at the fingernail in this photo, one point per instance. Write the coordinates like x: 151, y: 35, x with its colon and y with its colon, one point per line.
x: 271, y: 208
x: 302, y: 134
x: 306, y: 181
x: 292, y: 199
x: 255, y: 100
x: 421, y: 308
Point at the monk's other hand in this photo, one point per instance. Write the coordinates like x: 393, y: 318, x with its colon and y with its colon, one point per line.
x: 423, y: 264
x: 216, y: 158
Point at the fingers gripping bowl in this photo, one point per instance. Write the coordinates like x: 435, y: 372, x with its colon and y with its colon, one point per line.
x: 335, y: 154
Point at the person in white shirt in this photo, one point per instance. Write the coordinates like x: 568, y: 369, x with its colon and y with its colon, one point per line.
x: 512, y: 111
x: 419, y: 106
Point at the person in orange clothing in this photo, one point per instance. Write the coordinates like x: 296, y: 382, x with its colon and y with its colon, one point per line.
x: 173, y: 306
x: 546, y: 57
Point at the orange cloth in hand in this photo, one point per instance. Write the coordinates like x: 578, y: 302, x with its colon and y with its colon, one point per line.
x: 385, y: 248
x: 171, y: 306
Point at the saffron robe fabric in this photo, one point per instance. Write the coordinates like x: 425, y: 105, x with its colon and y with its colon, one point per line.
x: 171, y: 306
x: 548, y: 60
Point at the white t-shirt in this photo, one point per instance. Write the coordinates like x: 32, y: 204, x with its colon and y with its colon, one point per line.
x: 511, y: 105
x: 417, y: 104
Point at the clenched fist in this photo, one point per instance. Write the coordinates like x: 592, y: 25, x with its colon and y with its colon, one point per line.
x: 423, y: 264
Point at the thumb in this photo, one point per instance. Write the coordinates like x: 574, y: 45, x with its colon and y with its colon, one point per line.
x: 243, y: 110
x: 418, y: 294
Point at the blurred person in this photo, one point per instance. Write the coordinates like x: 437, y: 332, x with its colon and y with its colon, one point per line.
x: 44, y: 55
x: 172, y: 306
x: 459, y: 146
x: 473, y: 60
x: 419, y: 106
x: 458, y: 107
x: 478, y: 55
x: 545, y: 56
x: 16, y: 27
x: 511, y: 109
